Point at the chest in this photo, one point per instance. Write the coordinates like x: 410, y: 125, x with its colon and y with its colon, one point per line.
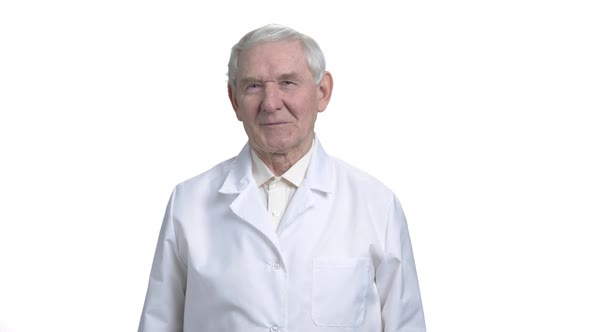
x: 236, y: 261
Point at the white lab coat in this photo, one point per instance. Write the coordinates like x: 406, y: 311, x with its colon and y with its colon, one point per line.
x: 341, y: 259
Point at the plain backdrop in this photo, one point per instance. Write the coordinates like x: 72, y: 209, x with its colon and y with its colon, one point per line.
x: 476, y: 113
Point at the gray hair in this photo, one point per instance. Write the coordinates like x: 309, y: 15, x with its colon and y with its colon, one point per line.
x: 274, y: 33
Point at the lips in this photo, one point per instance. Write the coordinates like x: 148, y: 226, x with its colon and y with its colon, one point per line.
x: 274, y: 123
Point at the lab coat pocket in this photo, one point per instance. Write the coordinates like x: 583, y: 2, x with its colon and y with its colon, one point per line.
x: 339, y: 291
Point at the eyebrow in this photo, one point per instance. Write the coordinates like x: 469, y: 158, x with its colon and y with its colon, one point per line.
x: 247, y: 80
x: 288, y: 76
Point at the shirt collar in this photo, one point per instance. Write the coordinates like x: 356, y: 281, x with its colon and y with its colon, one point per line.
x: 294, y: 175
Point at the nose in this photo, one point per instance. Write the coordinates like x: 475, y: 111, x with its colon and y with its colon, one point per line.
x: 271, y: 100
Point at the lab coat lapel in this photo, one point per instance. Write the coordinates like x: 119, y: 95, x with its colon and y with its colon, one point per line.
x: 247, y: 204
x: 318, y: 179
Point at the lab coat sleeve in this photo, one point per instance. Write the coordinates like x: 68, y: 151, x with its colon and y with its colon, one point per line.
x: 163, y: 310
x: 396, y: 278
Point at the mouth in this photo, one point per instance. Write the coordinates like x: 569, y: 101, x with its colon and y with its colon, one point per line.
x: 274, y: 124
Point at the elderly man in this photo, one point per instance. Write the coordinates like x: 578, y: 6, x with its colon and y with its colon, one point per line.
x: 282, y: 237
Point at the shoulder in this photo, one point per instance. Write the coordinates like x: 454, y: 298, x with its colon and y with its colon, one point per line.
x: 351, y: 177
x: 210, y: 180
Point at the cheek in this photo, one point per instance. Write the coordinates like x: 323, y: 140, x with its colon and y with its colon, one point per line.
x: 304, y: 110
x: 248, y: 109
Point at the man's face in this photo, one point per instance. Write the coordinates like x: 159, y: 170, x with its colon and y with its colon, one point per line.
x: 276, y: 97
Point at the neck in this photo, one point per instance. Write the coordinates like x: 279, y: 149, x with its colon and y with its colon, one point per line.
x: 279, y: 163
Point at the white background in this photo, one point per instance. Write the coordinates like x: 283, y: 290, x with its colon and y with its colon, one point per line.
x: 474, y: 112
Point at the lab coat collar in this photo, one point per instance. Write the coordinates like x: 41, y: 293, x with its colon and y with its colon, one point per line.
x: 319, y: 174
x: 240, y: 173
x: 248, y: 206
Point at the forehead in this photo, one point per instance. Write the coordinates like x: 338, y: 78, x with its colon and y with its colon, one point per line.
x: 268, y: 60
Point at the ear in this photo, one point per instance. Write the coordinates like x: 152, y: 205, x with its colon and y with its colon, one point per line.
x: 233, y: 99
x: 325, y: 91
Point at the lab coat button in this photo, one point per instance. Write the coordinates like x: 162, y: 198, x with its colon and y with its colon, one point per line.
x: 276, y: 213
x: 276, y: 266
x: 274, y: 328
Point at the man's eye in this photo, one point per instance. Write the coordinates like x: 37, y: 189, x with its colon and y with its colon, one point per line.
x: 253, y: 86
x: 287, y: 83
